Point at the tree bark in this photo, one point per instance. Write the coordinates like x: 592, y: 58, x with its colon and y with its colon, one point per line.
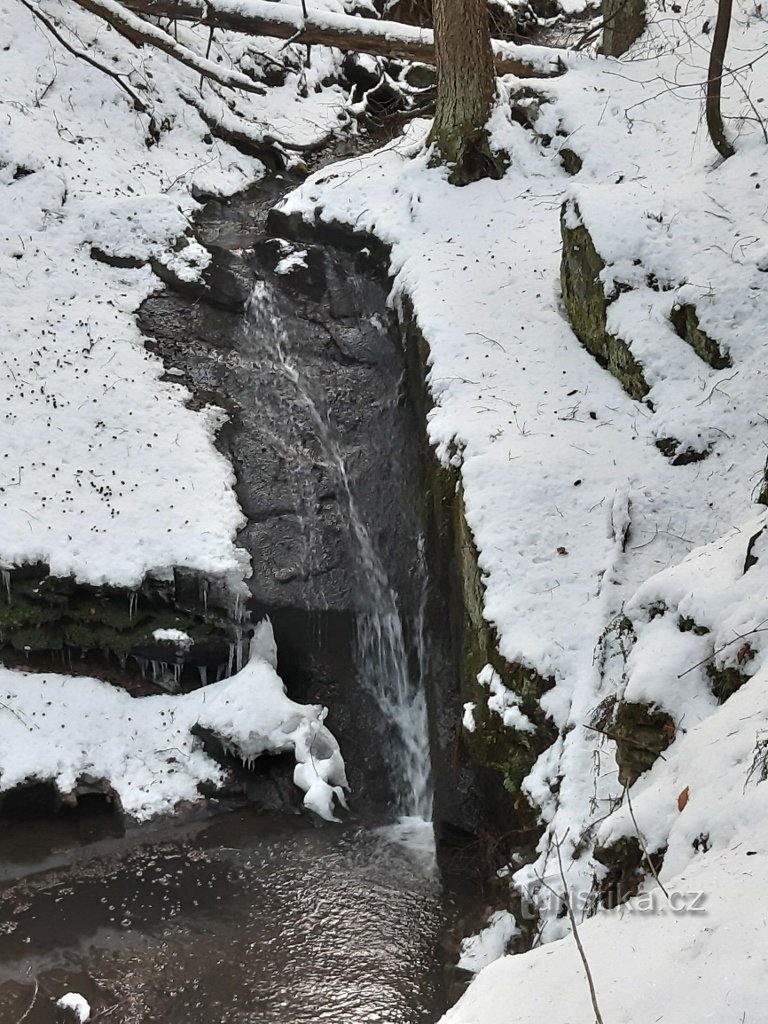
x: 714, y: 114
x: 364, y: 35
x: 466, y: 87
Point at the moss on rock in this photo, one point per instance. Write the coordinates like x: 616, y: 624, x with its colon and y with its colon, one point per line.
x: 587, y: 305
x: 641, y: 733
x: 43, y: 616
x: 686, y: 323
x: 499, y: 752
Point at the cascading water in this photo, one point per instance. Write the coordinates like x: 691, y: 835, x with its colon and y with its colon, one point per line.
x: 381, y: 648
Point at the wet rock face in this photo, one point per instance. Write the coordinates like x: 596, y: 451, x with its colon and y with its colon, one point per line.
x: 296, y: 343
x: 309, y: 375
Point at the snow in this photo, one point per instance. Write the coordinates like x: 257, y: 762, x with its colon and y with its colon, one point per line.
x: 504, y: 702
x: 105, y: 473
x: 64, y: 729
x: 488, y: 945
x: 173, y: 636
x: 78, y: 1004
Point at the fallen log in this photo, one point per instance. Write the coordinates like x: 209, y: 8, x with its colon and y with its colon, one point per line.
x: 323, y: 28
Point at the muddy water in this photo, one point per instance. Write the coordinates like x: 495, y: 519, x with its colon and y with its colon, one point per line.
x: 243, y: 919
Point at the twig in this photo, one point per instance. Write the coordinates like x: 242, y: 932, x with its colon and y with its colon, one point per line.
x: 642, y: 843
x: 38, y: 14
x: 575, y: 929
x: 142, y: 32
x: 739, y: 636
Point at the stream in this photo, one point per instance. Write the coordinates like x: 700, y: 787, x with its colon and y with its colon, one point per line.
x: 242, y: 919
x: 248, y: 912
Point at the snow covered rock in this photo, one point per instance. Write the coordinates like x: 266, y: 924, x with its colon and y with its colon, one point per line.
x: 80, y: 732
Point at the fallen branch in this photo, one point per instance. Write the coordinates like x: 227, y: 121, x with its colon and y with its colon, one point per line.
x: 640, y: 840
x: 577, y: 937
x: 365, y: 35
x: 759, y: 628
x: 140, y: 32
x: 246, y: 137
x: 36, y: 13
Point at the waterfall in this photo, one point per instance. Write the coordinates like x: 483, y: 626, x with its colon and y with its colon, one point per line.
x: 381, y: 650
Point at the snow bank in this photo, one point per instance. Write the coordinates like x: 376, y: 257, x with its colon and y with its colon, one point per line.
x: 64, y: 729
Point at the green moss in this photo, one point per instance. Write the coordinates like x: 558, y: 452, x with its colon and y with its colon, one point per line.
x: 42, y: 614
x: 686, y: 323
x: 587, y: 306
x: 642, y: 733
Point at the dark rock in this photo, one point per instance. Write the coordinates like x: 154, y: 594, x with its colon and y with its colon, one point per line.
x: 627, y: 866
x: 672, y: 449
x: 642, y: 734
x: 571, y: 161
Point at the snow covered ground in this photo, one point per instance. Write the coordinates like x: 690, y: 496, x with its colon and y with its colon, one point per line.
x: 104, y: 473
x: 579, y: 518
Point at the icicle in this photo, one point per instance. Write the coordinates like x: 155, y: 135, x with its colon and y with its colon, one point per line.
x: 203, y: 673
x: 133, y: 603
x: 7, y: 583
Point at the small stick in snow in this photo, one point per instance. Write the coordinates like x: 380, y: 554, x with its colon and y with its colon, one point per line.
x: 642, y: 843
x: 576, y: 936
x: 759, y: 628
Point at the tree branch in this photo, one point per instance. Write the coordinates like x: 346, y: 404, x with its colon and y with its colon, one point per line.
x: 140, y: 32
x: 36, y: 13
x: 577, y: 937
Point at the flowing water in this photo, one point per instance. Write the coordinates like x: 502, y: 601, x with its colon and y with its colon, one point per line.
x: 383, y: 663
x: 247, y: 919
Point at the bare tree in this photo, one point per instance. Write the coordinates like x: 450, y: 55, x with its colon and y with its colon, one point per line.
x: 466, y: 88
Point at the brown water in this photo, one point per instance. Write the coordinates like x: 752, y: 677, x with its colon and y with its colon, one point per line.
x: 242, y: 919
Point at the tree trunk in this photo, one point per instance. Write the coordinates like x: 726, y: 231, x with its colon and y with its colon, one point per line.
x: 466, y: 87
x: 714, y: 114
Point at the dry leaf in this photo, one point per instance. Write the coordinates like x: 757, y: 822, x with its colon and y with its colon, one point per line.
x: 682, y: 800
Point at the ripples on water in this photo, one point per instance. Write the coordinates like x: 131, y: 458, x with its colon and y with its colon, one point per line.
x: 244, y: 920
